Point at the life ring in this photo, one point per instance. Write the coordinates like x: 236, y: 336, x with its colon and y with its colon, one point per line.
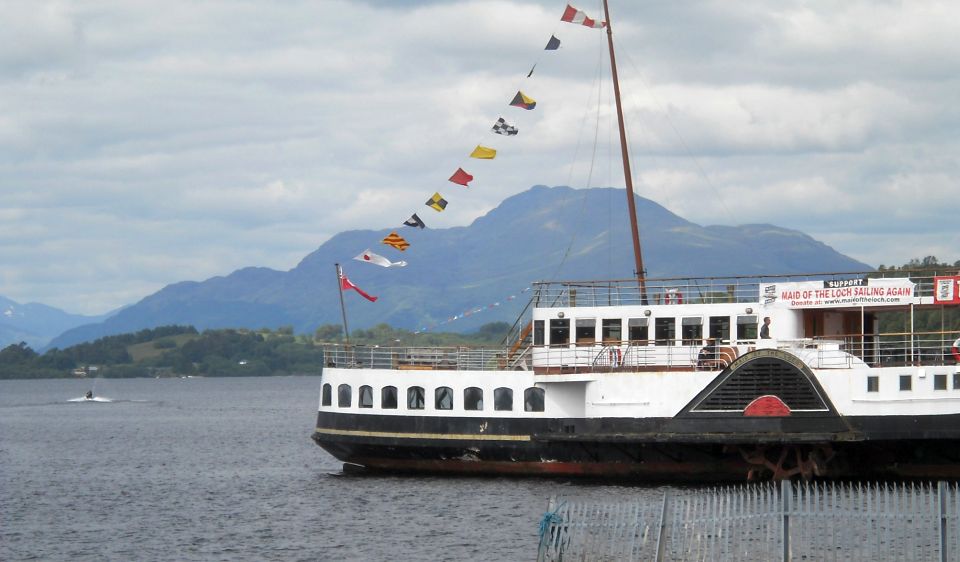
x: 615, y: 356
x: 955, y: 350
x: 673, y: 297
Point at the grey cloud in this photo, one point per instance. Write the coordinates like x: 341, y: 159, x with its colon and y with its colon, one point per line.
x: 147, y: 143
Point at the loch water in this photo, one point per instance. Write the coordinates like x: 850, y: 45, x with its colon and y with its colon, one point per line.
x: 224, y: 469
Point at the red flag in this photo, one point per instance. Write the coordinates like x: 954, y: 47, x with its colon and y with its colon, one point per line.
x: 348, y: 284
x: 461, y: 177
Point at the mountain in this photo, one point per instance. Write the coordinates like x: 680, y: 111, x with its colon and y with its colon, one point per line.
x: 36, y: 324
x: 542, y: 233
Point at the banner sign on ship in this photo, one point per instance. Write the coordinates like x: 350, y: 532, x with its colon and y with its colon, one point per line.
x: 946, y: 290
x: 838, y: 293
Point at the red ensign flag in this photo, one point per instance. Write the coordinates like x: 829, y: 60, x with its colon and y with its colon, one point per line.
x: 348, y: 284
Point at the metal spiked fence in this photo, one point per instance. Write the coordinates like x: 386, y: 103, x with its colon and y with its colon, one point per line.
x: 786, y: 521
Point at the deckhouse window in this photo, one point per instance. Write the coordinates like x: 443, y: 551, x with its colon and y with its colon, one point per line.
x: 344, y: 396
x: 665, y: 330
x: 366, y: 397
x: 326, y: 398
x: 956, y: 381
x: 873, y: 383
x: 443, y: 398
x: 747, y: 327
x: 503, y: 399
x: 388, y: 398
x: 533, y: 400
x: 559, y: 331
x: 538, y: 332
x: 720, y: 328
x: 638, y: 329
x: 611, y: 330
x: 906, y: 382
x: 586, y: 330
x: 472, y: 398
x: 415, y: 398
x: 691, y: 330
x: 939, y: 382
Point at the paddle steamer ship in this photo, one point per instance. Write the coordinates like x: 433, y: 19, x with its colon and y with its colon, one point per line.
x: 671, y: 379
x: 602, y: 384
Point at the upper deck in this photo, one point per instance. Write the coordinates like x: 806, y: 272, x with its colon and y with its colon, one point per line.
x: 830, y: 321
x: 715, y: 290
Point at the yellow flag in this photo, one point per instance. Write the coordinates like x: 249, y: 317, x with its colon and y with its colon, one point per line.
x: 397, y: 241
x: 437, y: 203
x: 522, y: 101
x: 483, y: 153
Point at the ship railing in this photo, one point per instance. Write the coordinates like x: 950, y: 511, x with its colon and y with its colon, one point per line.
x: 828, y: 352
x: 834, y: 352
x: 874, y: 350
x: 818, y: 353
x: 519, y: 360
x: 896, y: 349
x: 520, y: 330
x: 704, y: 290
x: 418, y: 358
x: 611, y: 356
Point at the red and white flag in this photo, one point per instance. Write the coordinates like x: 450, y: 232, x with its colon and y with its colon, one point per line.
x: 377, y: 259
x: 348, y: 284
x: 576, y: 16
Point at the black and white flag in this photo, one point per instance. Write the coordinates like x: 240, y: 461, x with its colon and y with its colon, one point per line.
x: 501, y: 128
x: 415, y: 222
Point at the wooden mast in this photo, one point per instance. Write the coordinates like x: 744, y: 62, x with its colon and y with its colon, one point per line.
x: 628, y: 176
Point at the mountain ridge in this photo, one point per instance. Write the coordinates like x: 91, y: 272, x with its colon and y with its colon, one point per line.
x: 542, y: 233
x: 37, y: 324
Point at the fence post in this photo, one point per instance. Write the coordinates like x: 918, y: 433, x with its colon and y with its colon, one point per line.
x: 662, y: 533
x: 942, y: 501
x: 786, y: 503
x: 544, y: 536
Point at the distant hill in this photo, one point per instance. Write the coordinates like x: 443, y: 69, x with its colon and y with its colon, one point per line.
x: 36, y: 324
x: 542, y: 233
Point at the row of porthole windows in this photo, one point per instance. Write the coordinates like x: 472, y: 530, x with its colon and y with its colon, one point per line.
x: 443, y: 398
x: 906, y: 382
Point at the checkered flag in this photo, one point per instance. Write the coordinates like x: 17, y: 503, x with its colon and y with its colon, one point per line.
x: 501, y: 128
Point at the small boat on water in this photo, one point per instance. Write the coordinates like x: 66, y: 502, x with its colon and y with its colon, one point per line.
x: 89, y: 397
x: 722, y: 378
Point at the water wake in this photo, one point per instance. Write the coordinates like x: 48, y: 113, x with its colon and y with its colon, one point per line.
x: 94, y: 399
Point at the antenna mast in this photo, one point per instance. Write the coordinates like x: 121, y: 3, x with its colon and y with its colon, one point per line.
x: 628, y: 176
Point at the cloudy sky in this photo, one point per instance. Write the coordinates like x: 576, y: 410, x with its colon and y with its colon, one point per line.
x: 144, y: 143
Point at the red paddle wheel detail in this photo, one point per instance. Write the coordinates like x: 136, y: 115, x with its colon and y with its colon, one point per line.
x: 767, y: 406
